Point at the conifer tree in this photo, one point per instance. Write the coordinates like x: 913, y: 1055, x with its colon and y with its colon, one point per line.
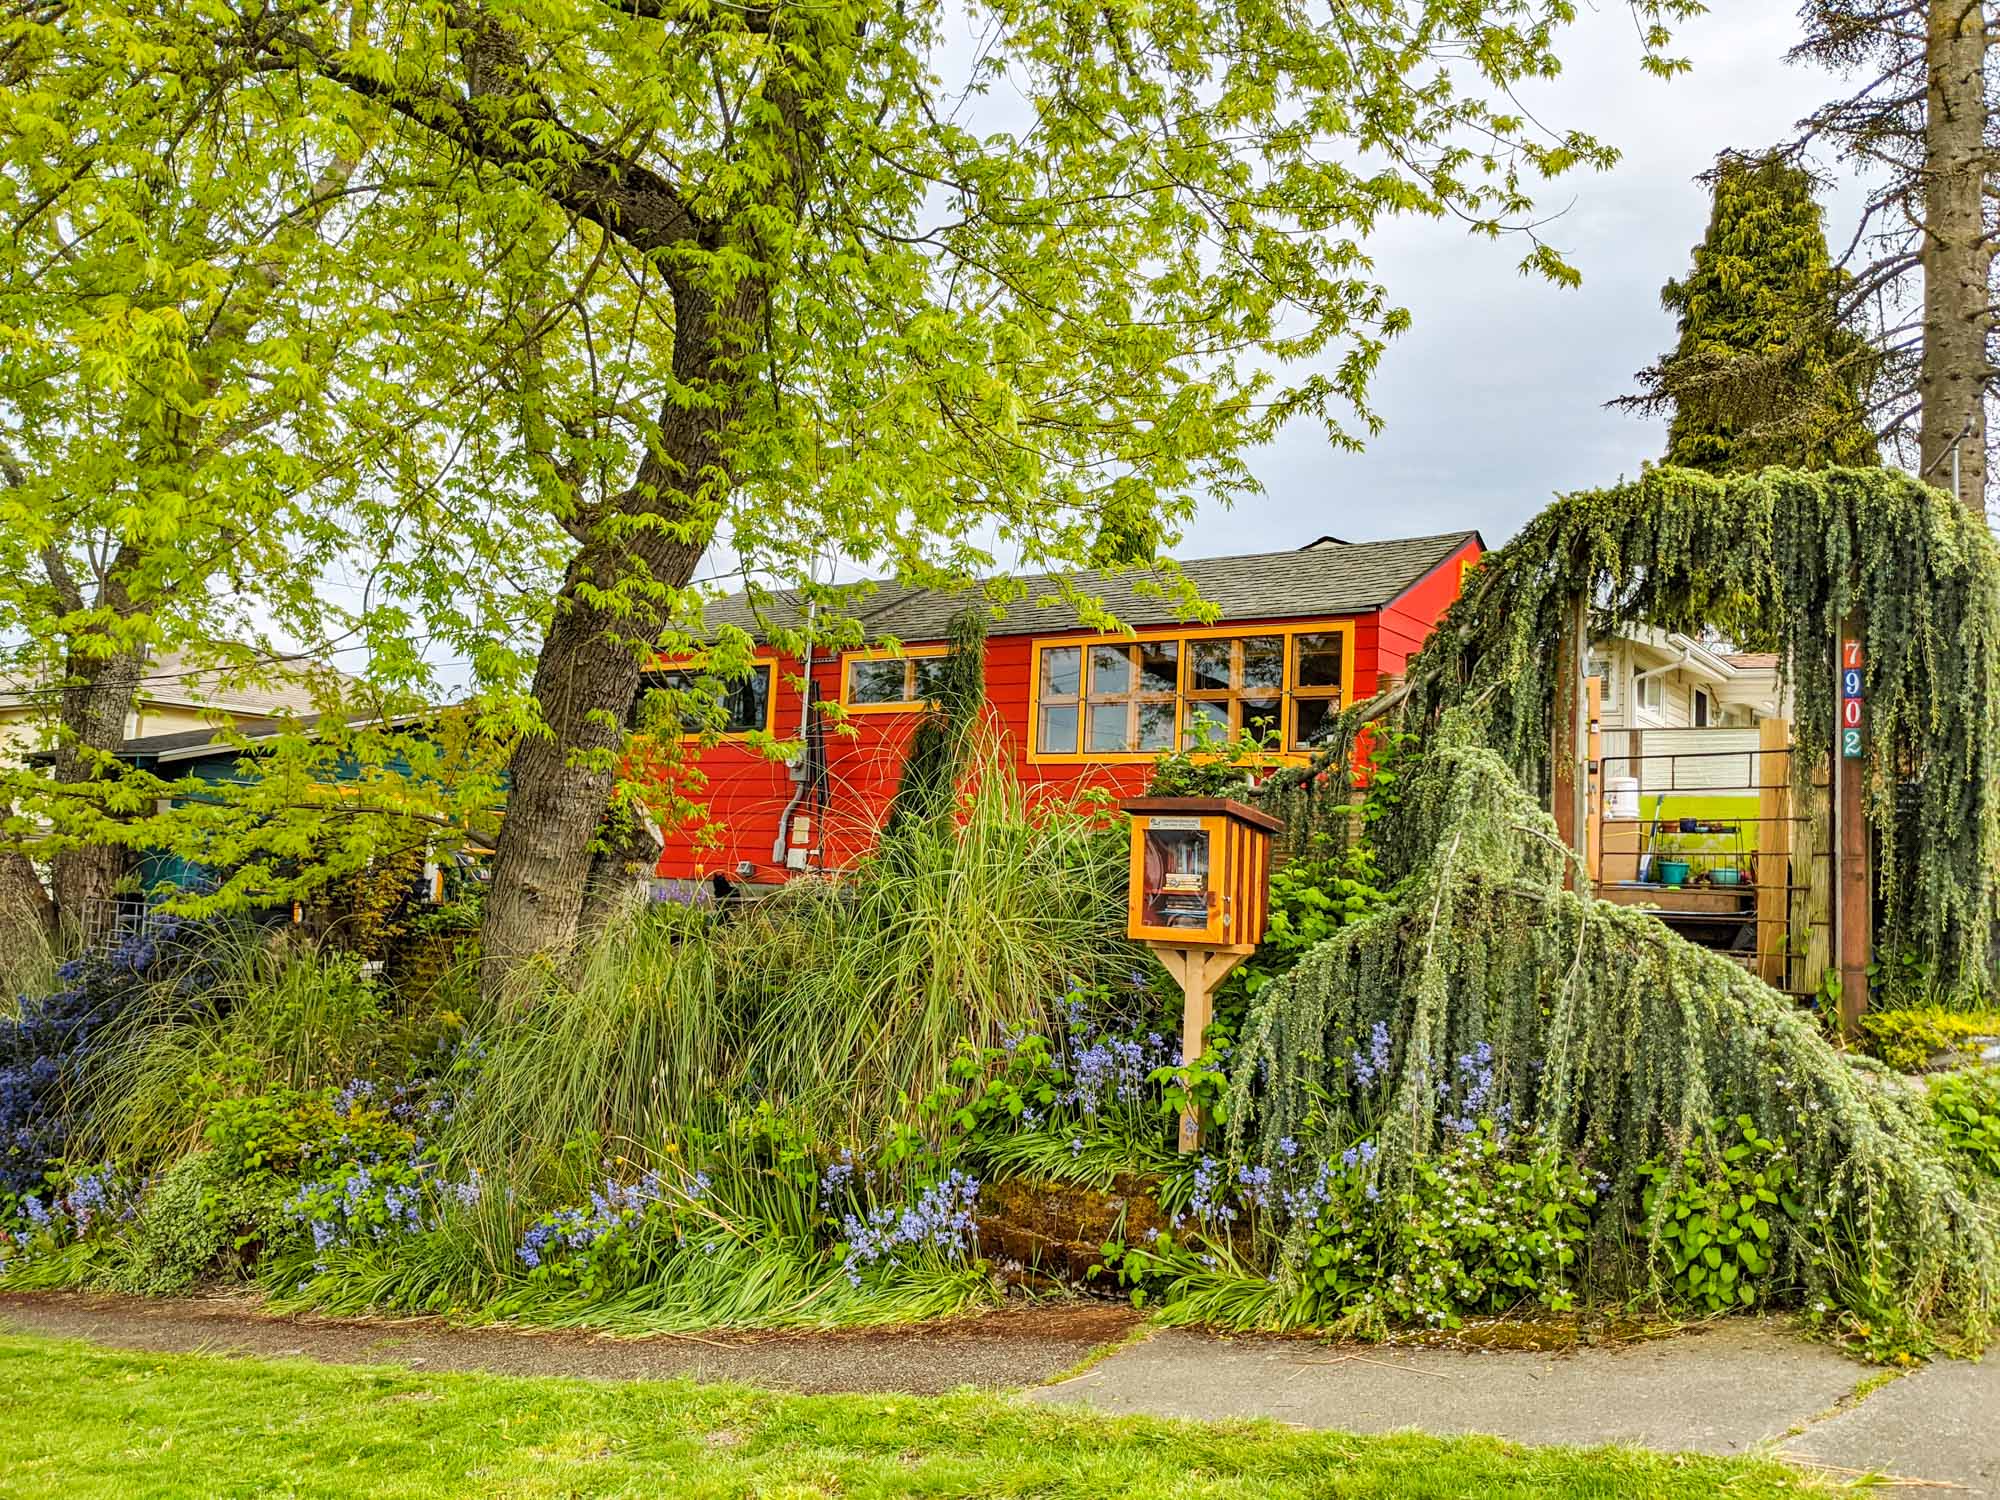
x: 1764, y: 372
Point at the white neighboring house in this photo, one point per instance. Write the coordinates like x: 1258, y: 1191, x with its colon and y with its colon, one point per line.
x: 1655, y: 680
x: 1678, y: 725
x: 173, y: 696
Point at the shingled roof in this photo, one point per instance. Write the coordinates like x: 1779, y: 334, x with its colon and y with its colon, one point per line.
x: 1326, y: 578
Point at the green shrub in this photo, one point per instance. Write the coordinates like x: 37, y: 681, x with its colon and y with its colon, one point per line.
x: 1967, y: 1109
x: 1718, y: 1215
x: 284, y: 1135
x: 1909, y: 1040
x: 298, y: 1019
x: 199, y: 1219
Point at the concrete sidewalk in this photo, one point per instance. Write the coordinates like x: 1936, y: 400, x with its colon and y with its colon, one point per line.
x: 1735, y: 1387
x: 1738, y: 1387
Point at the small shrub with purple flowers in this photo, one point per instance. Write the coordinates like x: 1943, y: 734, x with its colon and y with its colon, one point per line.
x: 1071, y: 1105
x: 75, y: 1214
x: 600, y: 1247
x: 44, y: 1048
x: 1482, y: 1227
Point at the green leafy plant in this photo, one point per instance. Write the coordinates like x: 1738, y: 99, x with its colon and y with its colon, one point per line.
x: 1212, y: 764
x: 1914, y: 1039
x: 200, y: 1217
x: 1477, y: 1228
x: 1200, y: 1088
x: 1966, y: 1107
x: 1718, y: 1213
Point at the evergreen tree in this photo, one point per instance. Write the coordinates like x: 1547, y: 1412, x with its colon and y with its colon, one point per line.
x: 1765, y: 372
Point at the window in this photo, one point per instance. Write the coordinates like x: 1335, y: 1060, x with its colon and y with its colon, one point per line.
x: 1700, y: 709
x: 1319, y: 664
x: 1059, y: 690
x: 1112, y: 699
x: 1234, y: 686
x: 1599, y: 666
x: 899, y: 681
x: 1646, y: 692
x: 1104, y: 699
x: 741, y: 705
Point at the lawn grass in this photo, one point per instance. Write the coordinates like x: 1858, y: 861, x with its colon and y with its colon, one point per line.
x: 85, y: 1421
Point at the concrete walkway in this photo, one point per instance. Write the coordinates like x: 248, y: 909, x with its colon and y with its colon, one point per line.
x: 1735, y: 1388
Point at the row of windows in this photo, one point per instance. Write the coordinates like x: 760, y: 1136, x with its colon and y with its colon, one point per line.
x: 1186, y: 693
x: 1095, y: 699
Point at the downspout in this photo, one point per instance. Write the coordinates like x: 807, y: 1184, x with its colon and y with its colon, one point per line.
x: 800, y: 767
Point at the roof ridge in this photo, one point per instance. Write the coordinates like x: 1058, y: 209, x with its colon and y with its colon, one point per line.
x: 909, y: 591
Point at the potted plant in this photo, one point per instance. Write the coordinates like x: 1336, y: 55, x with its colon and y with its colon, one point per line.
x: 1670, y: 860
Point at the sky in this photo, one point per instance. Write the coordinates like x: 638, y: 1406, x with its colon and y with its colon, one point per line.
x: 1494, y: 401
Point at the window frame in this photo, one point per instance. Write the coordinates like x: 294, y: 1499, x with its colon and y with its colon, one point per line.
x: 765, y: 664
x: 1658, y: 682
x: 909, y: 655
x: 1286, y: 692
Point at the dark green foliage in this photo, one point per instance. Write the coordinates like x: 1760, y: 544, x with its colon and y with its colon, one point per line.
x: 1609, y: 1042
x: 940, y: 744
x: 1785, y: 556
x: 1718, y: 1214
x: 1764, y: 372
x: 1312, y: 896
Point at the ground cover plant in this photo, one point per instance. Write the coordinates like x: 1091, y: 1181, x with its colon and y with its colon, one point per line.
x: 110, y: 1423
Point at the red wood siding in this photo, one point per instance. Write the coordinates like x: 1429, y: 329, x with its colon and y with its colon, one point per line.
x: 1406, y: 621
x: 747, y: 793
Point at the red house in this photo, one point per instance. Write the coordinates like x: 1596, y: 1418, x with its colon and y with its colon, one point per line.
x: 1301, y: 634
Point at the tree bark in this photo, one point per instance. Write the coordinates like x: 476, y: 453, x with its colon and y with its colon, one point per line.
x: 621, y: 870
x: 560, y: 782
x: 27, y: 915
x: 1957, y: 255
x: 96, y: 697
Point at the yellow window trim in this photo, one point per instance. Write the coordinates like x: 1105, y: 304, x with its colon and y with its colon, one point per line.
x: 900, y: 653
x: 1291, y: 631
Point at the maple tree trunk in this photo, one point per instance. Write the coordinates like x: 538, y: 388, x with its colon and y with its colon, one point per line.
x: 27, y: 915
x: 587, y: 679
x: 96, y: 698
x: 1957, y: 257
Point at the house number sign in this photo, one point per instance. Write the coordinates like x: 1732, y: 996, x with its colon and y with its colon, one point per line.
x: 1850, y: 700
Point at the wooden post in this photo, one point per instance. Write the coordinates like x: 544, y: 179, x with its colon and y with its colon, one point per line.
x: 1774, y: 847
x: 1854, y: 917
x: 1199, y: 972
x: 1594, y: 835
x: 1812, y: 862
x: 1568, y: 731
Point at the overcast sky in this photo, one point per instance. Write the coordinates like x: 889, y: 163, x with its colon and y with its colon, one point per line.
x: 1495, y: 399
